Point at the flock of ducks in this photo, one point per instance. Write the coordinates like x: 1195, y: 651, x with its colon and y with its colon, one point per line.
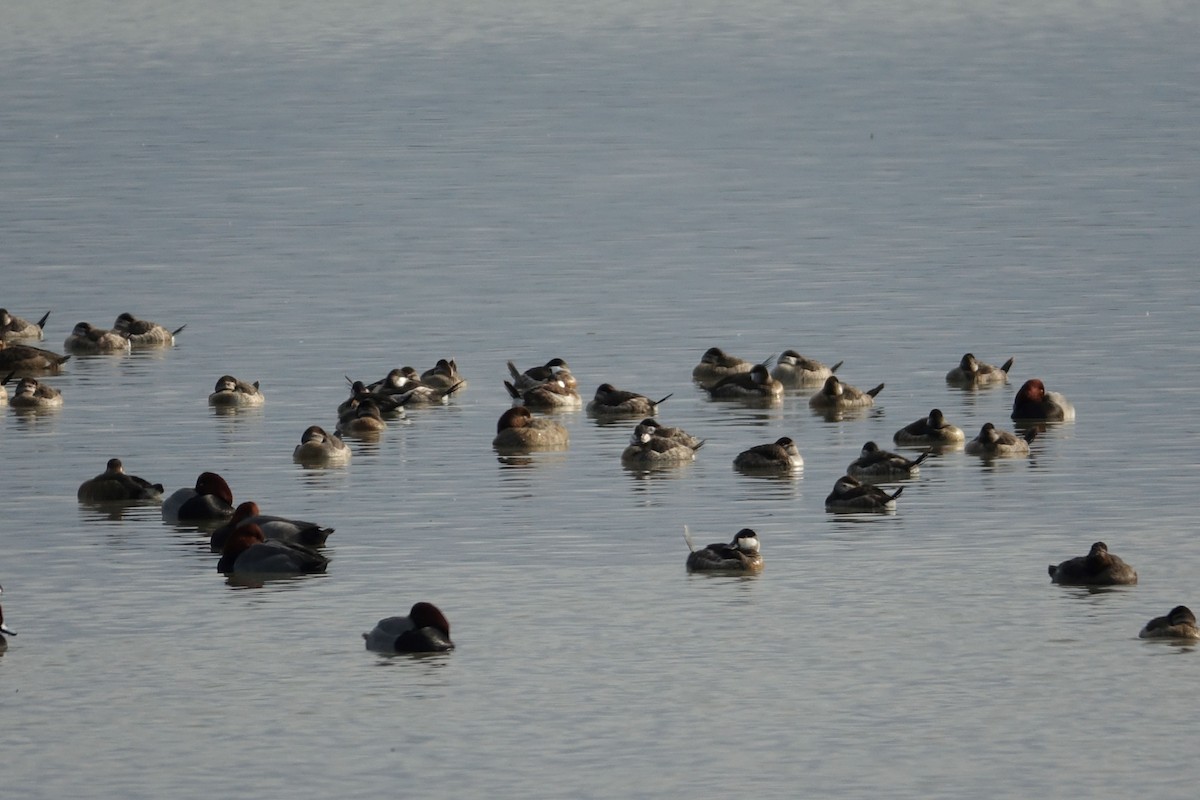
x: 253, y: 546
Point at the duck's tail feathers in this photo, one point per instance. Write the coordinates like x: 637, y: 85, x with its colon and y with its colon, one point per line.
x: 876, y: 390
x: 512, y: 390
x: 1007, y: 366
x: 179, y: 329
x: 512, y: 370
x: 698, y: 446
x: 922, y: 457
x: 41, y: 323
x: 836, y: 366
x: 8, y: 378
x: 687, y: 537
x: 656, y: 402
x: 769, y: 360
x: 897, y: 494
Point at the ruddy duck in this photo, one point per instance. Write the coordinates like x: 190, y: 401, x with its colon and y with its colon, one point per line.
x: 210, y: 500
x: 444, y: 375
x: 404, y: 387
x: 1179, y: 623
x: 230, y: 392
x: 4, y: 629
x: 838, y: 396
x: 555, y: 369
x: 114, y: 485
x: 757, y: 384
x: 781, y: 455
x: 793, y: 369
x: 851, y: 495
x: 716, y: 364
x: 739, y: 556
x: 612, y: 402
x: 363, y: 420
x: 25, y: 359
x: 144, y: 333
x: 1034, y: 402
x: 652, y: 426
x: 518, y: 429
x: 648, y: 449
x: 993, y: 442
x: 553, y: 393
x: 875, y: 463
x: 247, y: 550
x: 973, y: 372
x: 424, y: 630
x: 933, y: 430
x: 13, y: 328
x: 1097, y: 568
x: 320, y: 448
x: 282, y: 529
x: 30, y: 393
x: 87, y: 339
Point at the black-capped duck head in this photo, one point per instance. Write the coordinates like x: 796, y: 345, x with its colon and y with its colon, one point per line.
x: 515, y: 417
x: 1181, y: 615
x: 604, y: 391
x: 368, y: 408
x: 869, y: 448
x: 226, y: 383
x: 786, y: 443
x: 6, y: 318
x: 444, y: 367
x: 989, y: 434
x: 214, y: 484
x: 644, y: 432
x: 759, y: 374
x: 746, y: 540
x: 314, y: 433
x: 114, y: 466
x: 846, y: 484
x: 27, y: 386
x: 82, y: 329
x: 832, y: 387
x: 556, y: 363
x: 969, y: 364
x: 713, y: 355
x: 124, y: 321
x: 789, y: 357
x: 427, y: 615
x: 936, y: 419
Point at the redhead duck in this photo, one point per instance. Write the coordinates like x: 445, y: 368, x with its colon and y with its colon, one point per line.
x: 114, y: 485
x: 517, y: 429
x: 318, y: 448
x: 1034, y: 402
x: 424, y: 630
x: 793, y: 369
x: 229, y: 392
x: 873, y: 462
x: 13, y: 328
x: 555, y: 369
x: 1179, y: 623
x: 648, y: 448
x: 144, y: 333
x: 282, y: 529
x: 33, y: 394
x: 444, y: 375
x: 612, y: 402
x: 757, y: 384
x: 1097, y: 568
x: 25, y: 359
x: 87, y: 339
x: 973, y: 372
x: 930, y: 431
x: 210, y: 500
x: 849, y: 494
x: 992, y: 442
x: 838, y: 396
x: 781, y: 455
x: 4, y: 629
x: 716, y: 364
x: 247, y: 550
x: 364, y: 421
x: 739, y: 556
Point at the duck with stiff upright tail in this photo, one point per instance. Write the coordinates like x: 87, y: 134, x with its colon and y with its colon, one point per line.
x: 930, y: 431
x: 794, y: 370
x: 716, y: 364
x: 973, y: 372
x: 14, y: 328
x: 518, y: 430
x: 1097, y: 568
x: 741, y: 556
x: 1179, y: 623
x: 875, y: 463
x: 27, y: 360
x: 87, y: 339
x: 781, y: 455
x: 995, y: 443
x: 115, y: 485
x: 610, y: 401
x: 647, y: 448
x: 835, y: 395
x: 850, y: 494
x: 318, y: 448
x: 143, y: 332
x: 757, y: 385
x: 33, y: 394
x: 424, y: 630
x: 229, y: 392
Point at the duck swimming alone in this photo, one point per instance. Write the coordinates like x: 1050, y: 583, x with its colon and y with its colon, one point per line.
x: 114, y: 485
x: 144, y: 333
x: 875, y: 463
x: 518, y: 430
x: 838, y: 396
x: 849, y: 494
x: 993, y: 442
x: 739, y: 556
x: 973, y: 372
x: 793, y: 369
x: 1034, y: 402
x: 229, y: 392
x: 87, y: 339
x: 424, y: 630
x: 318, y: 448
x: 14, y: 328
x: 210, y: 500
x: 1179, y: 623
x: 1097, y: 568
x: 782, y: 455
x: 930, y: 431
x: 612, y: 402
x: 248, y: 551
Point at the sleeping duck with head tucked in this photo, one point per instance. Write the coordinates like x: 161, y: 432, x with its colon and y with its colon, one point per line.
x: 740, y: 556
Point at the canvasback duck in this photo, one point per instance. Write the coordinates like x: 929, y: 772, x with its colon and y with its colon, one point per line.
x: 210, y: 500
x: 518, y: 430
x: 30, y: 360
x: 4, y: 629
x: 649, y: 449
x: 973, y: 372
x: 318, y: 448
x: 248, y: 551
x: 87, y: 339
x: 229, y: 392
x: 33, y: 394
x: 838, y: 396
x: 365, y: 421
x: 296, y: 531
x: 716, y: 364
x: 992, y: 442
x: 757, y: 384
x: 930, y: 431
x: 849, y: 494
x: 1179, y: 623
x: 739, y: 556
x: 424, y: 630
x: 793, y: 369
x: 114, y: 485
x: 1097, y: 568
x: 612, y: 402
x: 444, y: 375
x: 143, y: 332
x: 1034, y: 402
x: 874, y: 463
x: 14, y: 328
x: 555, y: 369
x: 781, y: 455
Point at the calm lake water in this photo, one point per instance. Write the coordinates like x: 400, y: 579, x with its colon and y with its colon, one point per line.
x: 332, y: 189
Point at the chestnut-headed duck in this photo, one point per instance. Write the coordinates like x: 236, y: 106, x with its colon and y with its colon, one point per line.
x: 229, y: 392
x: 444, y: 375
x: 555, y: 369
x: 143, y: 332
x: 87, y: 339
x: 612, y: 402
x: 793, y: 369
x: 973, y: 372
x: 210, y: 500
x: 849, y: 494
x: 4, y: 629
x: 1097, y: 568
x: 364, y: 420
x: 14, y: 328
x: 930, y: 431
x: 648, y: 449
x: 838, y: 396
x: 32, y: 393
x: 757, y: 384
x: 424, y: 630
x: 655, y: 428
x: 25, y: 359
x: 283, y: 529
x: 1034, y: 402
x: 739, y: 556
x: 1179, y: 623
x: 992, y: 442
x: 247, y: 550
x: 554, y: 393
x: 716, y: 364
x: 115, y: 485
x: 874, y: 463
x: 778, y: 456
x: 518, y: 429
x: 318, y: 448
